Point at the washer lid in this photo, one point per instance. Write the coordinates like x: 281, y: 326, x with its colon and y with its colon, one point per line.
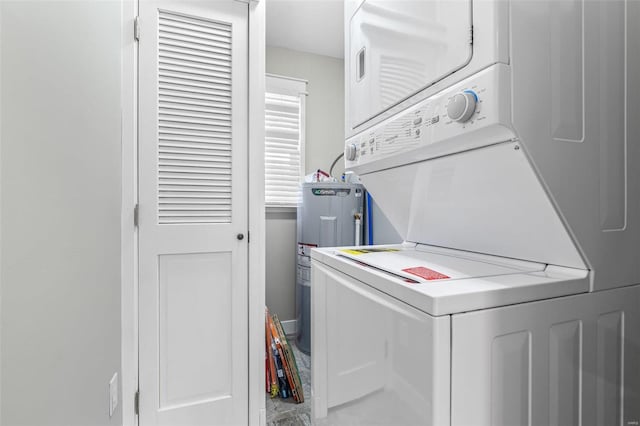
x: 425, y: 266
x: 443, y: 281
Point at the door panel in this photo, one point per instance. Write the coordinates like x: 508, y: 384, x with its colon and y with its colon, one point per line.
x: 195, y: 340
x: 565, y: 361
x: 510, y: 379
x: 356, y: 328
x: 376, y: 360
x: 193, y: 318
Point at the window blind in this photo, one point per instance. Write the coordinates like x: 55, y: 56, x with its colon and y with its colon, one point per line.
x: 284, y: 140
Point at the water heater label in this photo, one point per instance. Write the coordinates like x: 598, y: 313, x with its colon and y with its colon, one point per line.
x: 426, y: 273
x: 331, y: 192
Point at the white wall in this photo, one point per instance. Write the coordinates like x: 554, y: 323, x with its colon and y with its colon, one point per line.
x: 383, y: 230
x: 325, y: 103
x: 60, y: 211
x: 281, y: 263
x: 324, y: 142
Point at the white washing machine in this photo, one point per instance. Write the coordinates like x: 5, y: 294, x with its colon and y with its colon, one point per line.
x: 499, y: 139
x: 496, y: 342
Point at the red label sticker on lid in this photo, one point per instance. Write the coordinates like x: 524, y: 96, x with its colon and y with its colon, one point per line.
x: 426, y: 273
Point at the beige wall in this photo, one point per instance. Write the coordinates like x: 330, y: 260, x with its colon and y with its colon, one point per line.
x: 281, y: 263
x: 325, y: 103
x: 324, y: 142
x: 60, y: 208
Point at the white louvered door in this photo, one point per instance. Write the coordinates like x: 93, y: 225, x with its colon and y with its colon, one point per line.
x: 193, y: 192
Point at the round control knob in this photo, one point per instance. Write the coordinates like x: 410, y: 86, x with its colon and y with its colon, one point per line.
x: 351, y: 152
x: 462, y: 106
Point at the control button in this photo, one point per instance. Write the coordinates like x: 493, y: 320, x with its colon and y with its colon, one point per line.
x: 435, y: 119
x: 417, y: 121
x: 462, y: 106
x: 351, y: 151
x: 417, y: 132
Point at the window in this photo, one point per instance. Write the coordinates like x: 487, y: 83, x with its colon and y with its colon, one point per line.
x: 284, y: 140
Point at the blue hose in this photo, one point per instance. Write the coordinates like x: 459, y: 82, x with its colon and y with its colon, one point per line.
x: 369, y: 220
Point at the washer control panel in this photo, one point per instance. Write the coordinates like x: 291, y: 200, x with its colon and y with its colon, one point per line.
x: 461, y: 109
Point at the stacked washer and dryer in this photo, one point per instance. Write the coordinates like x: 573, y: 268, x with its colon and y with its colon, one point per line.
x: 501, y: 139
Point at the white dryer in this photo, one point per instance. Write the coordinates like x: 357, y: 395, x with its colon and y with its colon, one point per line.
x: 499, y: 139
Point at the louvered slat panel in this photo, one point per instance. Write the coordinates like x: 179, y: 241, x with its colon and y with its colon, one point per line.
x: 193, y: 164
x: 177, y: 54
x: 192, y: 201
x: 194, y: 120
x: 177, y: 185
x: 185, y: 155
x: 193, y: 192
x: 195, y: 143
x: 190, y: 104
x: 188, y: 78
x: 189, y: 97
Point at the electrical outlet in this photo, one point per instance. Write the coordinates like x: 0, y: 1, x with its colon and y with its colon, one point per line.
x: 113, y: 394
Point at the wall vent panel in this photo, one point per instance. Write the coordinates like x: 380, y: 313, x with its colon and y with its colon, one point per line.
x: 194, y: 120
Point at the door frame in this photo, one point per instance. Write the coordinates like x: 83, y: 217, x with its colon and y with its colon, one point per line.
x: 257, y: 222
x: 129, y: 232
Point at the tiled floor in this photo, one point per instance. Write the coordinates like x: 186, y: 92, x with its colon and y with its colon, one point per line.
x: 285, y: 412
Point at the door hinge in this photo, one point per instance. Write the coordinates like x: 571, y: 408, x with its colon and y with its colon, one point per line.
x: 248, y: 237
x: 471, y: 41
x: 136, y: 28
x: 136, y: 216
x: 136, y: 403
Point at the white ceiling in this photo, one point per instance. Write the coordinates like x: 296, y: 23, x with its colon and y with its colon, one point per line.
x: 313, y: 26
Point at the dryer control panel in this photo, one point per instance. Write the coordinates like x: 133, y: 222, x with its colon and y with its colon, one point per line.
x: 464, y: 113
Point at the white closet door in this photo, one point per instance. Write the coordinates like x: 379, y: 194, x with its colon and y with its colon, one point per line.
x: 193, y: 316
